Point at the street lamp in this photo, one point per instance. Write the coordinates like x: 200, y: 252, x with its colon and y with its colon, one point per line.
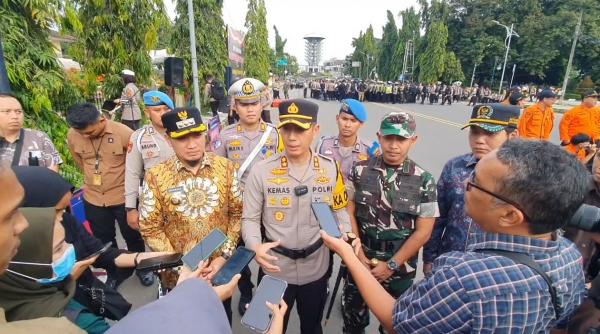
x: 509, y: 34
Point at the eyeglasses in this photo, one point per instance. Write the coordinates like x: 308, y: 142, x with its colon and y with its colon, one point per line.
x: 9, y: 111
x: 471, y: 184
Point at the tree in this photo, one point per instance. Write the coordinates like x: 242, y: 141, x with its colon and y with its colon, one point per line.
x: 453, y: 70
x: 34, y: 73
x: 117, y: 35
x: 365, y: 52
x: 211, y: 39
x: 389, y: 41
x: 431, y: 61
x: 257, y: 51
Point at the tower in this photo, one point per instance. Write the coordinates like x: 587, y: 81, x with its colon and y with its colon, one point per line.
x: 312, y: 52
x: 408, y: 65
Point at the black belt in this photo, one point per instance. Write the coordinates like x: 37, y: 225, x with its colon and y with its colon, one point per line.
x: 389, y: 246
x: 296, y: 254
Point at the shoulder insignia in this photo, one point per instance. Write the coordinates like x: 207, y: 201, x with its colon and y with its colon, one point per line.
x: 362, y: 157
x: 263, y: 127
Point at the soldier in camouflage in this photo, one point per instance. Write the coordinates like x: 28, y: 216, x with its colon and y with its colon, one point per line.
x: 392, y: 206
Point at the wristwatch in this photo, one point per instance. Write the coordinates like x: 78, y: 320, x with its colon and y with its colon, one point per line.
x: 392, y: 265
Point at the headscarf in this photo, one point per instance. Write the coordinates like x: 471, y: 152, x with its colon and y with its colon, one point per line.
x: 22, y: 298
x: 44, y: 188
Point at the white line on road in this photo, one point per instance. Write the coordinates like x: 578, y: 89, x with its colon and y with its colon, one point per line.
x: 431, y: 118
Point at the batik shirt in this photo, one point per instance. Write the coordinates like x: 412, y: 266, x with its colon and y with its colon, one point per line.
x: 178, y: 209
x: 453, y: 225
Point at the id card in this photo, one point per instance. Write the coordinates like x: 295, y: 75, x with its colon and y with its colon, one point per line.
x: 97, y: 180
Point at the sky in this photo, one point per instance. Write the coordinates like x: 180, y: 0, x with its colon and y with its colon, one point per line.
x: 337, y: 20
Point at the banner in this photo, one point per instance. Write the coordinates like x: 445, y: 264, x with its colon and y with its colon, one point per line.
x: 235, y: 46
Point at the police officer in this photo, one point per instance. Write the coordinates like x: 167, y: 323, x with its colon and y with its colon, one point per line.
x: 147, y: 147
x: 245, y: 143
x: 277, y: 198
x: 346, y: 148
x: 239, y: 142
x: 392, y: 206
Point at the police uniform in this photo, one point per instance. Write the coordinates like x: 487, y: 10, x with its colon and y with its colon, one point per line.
x: 235, y: 143
x: 387, y: 202
x: 277, y: 199
x: 179, y: 208
x: 346, y: 156
x: 147, y: 147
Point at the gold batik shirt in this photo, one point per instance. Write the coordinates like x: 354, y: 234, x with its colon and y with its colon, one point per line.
x: 178, y: 209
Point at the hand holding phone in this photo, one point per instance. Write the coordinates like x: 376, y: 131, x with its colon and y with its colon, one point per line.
x: 204, y: 249
x: 327, y: 219
x: 236, y: 263
x: 258, y: 316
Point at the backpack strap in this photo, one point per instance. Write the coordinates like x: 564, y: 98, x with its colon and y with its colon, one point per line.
x: 524, y: 259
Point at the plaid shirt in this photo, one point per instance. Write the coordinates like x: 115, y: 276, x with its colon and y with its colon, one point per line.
x: 452, y: 226
x: 473, y: 292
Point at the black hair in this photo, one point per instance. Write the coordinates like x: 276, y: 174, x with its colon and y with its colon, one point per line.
x: 82, y: 115
x: 127, y: 79
x: 580, y: 138
x: 545, y: 180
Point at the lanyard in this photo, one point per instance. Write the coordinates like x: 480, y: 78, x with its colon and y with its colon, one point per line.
x: 97, y: 154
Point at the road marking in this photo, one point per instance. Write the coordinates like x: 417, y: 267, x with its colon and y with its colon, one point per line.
x: 431, y: 118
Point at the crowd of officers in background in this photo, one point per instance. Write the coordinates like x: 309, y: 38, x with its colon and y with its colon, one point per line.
x: 409, y: 92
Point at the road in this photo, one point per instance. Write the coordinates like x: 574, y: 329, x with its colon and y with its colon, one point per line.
x: 439, y: 139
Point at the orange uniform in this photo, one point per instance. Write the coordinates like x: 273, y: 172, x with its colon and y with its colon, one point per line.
x: 580, y: 119
x: 536, y: 123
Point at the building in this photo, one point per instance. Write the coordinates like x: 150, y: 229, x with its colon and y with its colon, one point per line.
x: 312, y: 53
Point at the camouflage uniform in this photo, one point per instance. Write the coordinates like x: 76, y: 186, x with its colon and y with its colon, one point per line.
x: 388, y: 202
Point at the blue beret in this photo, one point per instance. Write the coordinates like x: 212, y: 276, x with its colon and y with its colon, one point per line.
x: 156, y: 98
x: 354, y: 108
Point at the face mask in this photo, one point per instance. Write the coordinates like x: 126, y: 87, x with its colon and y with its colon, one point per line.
x: 61, y: 268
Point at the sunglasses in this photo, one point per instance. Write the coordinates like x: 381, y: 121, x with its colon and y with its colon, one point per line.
x: 471, y: 184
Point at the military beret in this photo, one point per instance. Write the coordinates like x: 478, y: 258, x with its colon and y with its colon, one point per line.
x: 354, y: 108
x: 300, y: 112
x: 155, y: 98
x: 183, y: 121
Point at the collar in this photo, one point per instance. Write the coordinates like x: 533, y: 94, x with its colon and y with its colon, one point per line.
x: 404, y: 169
x: 109, y: 128
x: 356, y: 148
x: 262, y: 127
x: 17, y: 138
x: 206, y: 161
x: 512, y: 243
x: 470, y: 160
x: 314, y: 158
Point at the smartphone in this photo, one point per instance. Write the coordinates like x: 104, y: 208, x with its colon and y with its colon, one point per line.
x: 100, y: 251
x: 233, y: 266
x: 258, y: 317
x: 204, y: 249
x: 160, y: 262
x: 327, y: 219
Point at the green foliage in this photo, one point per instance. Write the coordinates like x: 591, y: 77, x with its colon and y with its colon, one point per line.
x: 279, y: 53
x: 432, y: 60
x: 211, y: 39
x: 257, y: 52
x: 117, y: 34
x: 34, y: 72
x: 453, y: 70
x: 389, y: 43
x: 365, y: 52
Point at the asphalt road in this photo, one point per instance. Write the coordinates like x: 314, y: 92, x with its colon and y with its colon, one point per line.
x: 439, y: 139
